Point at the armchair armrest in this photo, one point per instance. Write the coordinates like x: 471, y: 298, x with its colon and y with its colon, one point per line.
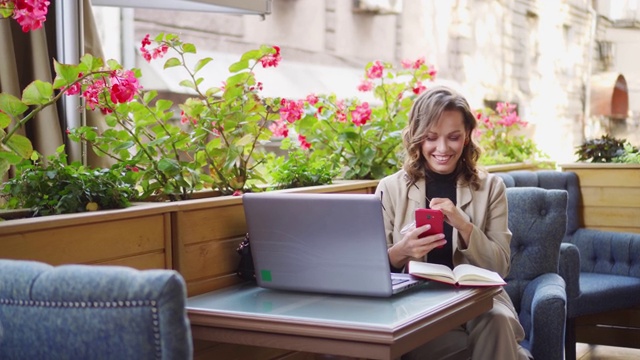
x: 569, y: 270
x: 543, y: 314
x: 608, y: 252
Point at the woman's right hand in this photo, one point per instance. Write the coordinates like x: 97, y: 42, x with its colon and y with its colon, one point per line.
x: 411, y: 247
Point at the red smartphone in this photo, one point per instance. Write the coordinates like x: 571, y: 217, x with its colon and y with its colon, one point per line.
x: 431, y: 217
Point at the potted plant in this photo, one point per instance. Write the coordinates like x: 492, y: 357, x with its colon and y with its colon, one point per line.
x: 504, y: 147
x: 608, y: 170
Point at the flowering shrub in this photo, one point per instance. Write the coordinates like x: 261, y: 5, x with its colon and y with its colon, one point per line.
x: 30, y: 14
x: 362, y: 139
x: 214, y: 144
x: 497, y: 135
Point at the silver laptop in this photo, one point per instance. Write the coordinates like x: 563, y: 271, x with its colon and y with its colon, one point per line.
x: 325, y: 243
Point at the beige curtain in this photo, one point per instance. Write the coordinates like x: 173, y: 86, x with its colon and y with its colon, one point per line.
x: 29, y: 56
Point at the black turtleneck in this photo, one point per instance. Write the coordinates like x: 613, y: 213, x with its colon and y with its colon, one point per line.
x: 442, y: 186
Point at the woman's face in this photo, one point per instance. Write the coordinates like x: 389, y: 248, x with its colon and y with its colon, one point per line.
x: 444, y: 142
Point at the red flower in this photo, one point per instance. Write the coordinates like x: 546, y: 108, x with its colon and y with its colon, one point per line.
x: 361, y: 114
x: 124, y: 86
x: 271, y: 59
x: 303, y: 142
x: 375, y: 71
x: 30, y: 14
x: 279, y: 128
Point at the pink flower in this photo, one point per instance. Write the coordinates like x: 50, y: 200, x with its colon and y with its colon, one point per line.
x: 237, y: 193
x: 433, y: 73
x: 155, y: 53
x: 75, y: 88
x: 92, y: 93
x: 279, y: 128
x: 124, y: 86
x: 291, y: 110
x: 303, y: 142
x: 30, y: 14
x: 365, y: 85
x: 375, y: 71
x: 271, y: 59
x: 406, y: 64
x: 419, y: 62
x: 419, y: 88
x: 361, y: 114
x: 312, y: 99
x: 185, y: 119
x: 341, y: 116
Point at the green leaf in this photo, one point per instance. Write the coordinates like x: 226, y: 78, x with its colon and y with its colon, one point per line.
x: 172, y: 62
x: 67, y: 74
x: 113, y: 65
x: 201, y: 63
x: 253, y: 54
x: 245, y: 140
x: 10, y: 157
x: 163, y: 105
x: 169, y: 166
x: 189, y: 48
x: 12, y: 105
x: 37, y: 93
x: 20, y: 145
x: 239, y: 66
x: 188, y: 83
x: 149, y: 95
x: 5, y: 120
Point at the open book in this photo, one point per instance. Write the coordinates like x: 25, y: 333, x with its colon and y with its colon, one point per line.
x: 461, y: 275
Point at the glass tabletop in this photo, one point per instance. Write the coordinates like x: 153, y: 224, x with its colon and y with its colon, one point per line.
x: 249, y: 299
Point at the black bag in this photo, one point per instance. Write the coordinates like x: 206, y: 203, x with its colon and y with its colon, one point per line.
x: 245, y: 269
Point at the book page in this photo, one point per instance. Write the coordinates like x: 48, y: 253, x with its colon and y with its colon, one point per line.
x: 468, y: 274
x: 431, y: 271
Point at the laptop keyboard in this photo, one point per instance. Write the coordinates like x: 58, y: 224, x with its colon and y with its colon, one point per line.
x: 396, y: 281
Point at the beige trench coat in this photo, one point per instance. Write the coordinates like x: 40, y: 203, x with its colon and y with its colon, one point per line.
x: 486, y: 208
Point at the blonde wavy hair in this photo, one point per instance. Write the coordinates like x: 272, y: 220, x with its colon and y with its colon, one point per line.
x: 425, y: 112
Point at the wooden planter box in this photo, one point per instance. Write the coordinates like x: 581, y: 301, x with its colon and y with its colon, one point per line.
x: 138, y: 236
x: 610, y: 195
x: 206, y: 233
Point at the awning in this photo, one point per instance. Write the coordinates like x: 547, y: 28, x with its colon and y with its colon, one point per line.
x: 246, y: 7
x: 609, y: 95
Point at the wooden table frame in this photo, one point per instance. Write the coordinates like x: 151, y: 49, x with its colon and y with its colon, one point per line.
x: 335, y: 338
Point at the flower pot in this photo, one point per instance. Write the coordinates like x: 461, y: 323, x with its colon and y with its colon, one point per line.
x: 610, y: 195
x: 138, y: 236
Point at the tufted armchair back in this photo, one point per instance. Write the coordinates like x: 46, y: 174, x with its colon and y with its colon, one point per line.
x: 91, y: 312
x: 550, y: 179
x: 537, y: 220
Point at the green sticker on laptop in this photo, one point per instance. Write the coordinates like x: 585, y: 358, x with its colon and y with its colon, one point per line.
x: 265, y: 275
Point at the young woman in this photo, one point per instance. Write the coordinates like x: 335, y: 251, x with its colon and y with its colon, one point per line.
x: 440, y: 173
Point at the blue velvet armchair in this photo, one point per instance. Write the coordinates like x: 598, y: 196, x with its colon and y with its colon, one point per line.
x: 537, y: 220
x: 91, y: 312
x: 601, y: 268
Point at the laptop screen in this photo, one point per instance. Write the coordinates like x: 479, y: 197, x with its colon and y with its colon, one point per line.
x: 328, y: 243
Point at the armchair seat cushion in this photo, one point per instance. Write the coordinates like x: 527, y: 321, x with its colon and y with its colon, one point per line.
x: 604, y: 292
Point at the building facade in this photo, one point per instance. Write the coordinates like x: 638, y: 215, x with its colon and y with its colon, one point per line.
x: 537, y: 54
